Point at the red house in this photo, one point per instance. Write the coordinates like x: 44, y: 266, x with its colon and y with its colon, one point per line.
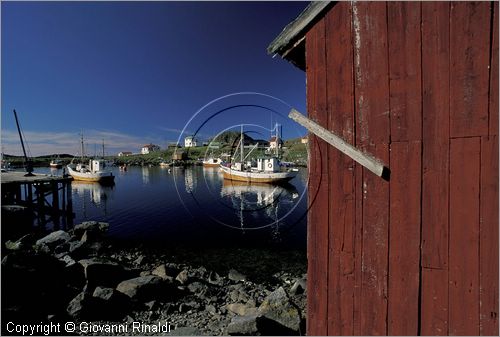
x: 415, y: 85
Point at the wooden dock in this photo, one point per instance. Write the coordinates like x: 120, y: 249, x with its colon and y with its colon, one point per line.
x: 47, y: 196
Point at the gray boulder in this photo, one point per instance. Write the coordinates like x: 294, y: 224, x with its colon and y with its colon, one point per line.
x: 103, y: 273
x: 93, y: 226
x: 243, y: 325
x: 22, y: 243
x: 163, y: 272
x: 214, y: 278
x: 242, y: 309
x: 81, y: 307
x: 236, y: 276
x: 277, y: 307
x: 298, y: 287
x: 111, y: 304
x: 182, y: 277
x: 141, y: 288
x: 197, y: 287
x: 54, y: 239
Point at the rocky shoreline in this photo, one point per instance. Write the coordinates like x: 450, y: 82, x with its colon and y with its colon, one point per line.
x: 81, y: 276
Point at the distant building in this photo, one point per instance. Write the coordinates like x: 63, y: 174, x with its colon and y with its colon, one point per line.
x: 190, y: 141
x: 149, y: 148
x: 304, y: 140
x: 124, y: 154
x: 275, y: 142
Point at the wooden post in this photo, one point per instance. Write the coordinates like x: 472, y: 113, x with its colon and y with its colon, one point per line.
x: 362, y: 158
x: 55, y: 204
x: 69, y: 209
x: 29, y: 197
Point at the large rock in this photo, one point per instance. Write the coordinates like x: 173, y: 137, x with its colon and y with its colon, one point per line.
x: 93, y: 226
x: 82, y: 307
x: 22, y: 243
x: 214, y: 278
x: 183, y: 277
x: 299, y: 286
x: 242, y: 309
x: 277, y: 307
x: 141, y: 288
x: 243, y: 325
x: 111, y: 304
x: 236, y: 276
x: 103, y: 273
x: 54, y: 239
x: 164, y: 272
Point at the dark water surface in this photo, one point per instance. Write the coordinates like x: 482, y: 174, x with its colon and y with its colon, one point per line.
x: 194, y: 207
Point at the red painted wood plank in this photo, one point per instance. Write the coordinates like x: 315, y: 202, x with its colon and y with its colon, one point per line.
x: 493, y: 108
x: 469, y: 73
x: 464, y: 236
x: 435, y: 133
x: 341, y: 171
x: 405, y: 70
x: 435, y: 167
x: 358, y: 247
x: 404, y: 240
x: 434, y: 314
x: 488, y: 254
x: 372, y: 132
x: 317, y: 238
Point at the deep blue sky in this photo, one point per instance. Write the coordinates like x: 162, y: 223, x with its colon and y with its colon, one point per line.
x: 135, y: 72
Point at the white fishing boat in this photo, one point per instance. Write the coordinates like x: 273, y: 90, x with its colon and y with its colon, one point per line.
x: 56, y: 163
x: 267, y: 170
x: 91, y: 170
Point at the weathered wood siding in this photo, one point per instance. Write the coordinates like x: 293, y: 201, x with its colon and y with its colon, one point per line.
x: 415, y: 85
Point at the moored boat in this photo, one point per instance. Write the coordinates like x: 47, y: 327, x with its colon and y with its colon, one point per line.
x: 95, y: 170
x: 212, y: 162
x: 268, y: 170
x: 257, y: 176
x: 56, y: 163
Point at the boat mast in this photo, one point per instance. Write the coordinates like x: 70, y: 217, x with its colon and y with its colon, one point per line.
x: 277, y: 139
x: 242, y: 143
x: 81, y: 141
x: 103, y: 149
x: 27, y: 162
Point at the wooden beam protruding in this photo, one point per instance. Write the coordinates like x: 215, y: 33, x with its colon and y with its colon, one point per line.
x: 357, y: 155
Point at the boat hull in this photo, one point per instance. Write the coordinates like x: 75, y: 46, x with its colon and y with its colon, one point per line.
x: 257, y: 177
x: 210, y: 165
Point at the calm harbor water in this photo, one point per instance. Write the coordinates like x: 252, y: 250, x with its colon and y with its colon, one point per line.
x: 193, y: 207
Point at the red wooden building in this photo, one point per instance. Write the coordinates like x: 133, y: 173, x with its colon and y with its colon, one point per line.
x: 414, y: 84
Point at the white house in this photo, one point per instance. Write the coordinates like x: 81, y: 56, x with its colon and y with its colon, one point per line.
x: 190, y: 141
x: 148, y: 148
x: 275, y: 142
x: 304, y: 140
x: 124, y: 154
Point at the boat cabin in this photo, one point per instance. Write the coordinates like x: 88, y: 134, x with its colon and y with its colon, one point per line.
x: 95, y: 165
x: 268, y: 164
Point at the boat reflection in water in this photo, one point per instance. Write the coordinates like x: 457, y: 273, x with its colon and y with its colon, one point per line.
x: 266, y: 203
x: 96, y: 193
x: 190, y: 180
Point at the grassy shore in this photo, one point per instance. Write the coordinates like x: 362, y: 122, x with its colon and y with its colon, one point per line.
x: 292, y: 152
